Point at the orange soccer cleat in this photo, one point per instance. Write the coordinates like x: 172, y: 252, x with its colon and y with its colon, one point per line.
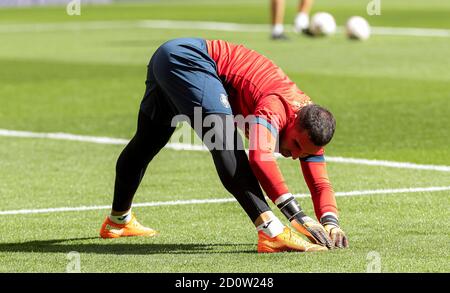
x: 286, y: 241
x: 133, y: 228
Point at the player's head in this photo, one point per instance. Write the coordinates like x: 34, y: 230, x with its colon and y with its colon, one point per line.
x: 312, y: 129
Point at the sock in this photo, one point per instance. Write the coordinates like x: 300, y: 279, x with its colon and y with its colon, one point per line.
x: 272, y: 227
x: 277, y: 29
x: 301, y: 22
x: 121, y: 219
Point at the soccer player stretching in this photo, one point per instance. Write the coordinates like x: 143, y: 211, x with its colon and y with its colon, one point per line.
x: 223, y: 80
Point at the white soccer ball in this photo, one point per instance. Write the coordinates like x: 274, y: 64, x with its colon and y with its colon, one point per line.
x: 357, y: 28
x: 322, y: 24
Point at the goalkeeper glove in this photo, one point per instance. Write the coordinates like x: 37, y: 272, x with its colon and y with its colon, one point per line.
x: 331, y: 225
x: 304, y: 224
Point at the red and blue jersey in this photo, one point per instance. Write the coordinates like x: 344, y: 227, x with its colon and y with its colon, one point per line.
x: 258, y: 87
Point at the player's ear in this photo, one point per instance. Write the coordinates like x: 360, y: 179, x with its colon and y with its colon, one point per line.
x: 295, y: 120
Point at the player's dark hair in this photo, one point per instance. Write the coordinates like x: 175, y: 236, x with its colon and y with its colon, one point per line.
x: 318, y: 121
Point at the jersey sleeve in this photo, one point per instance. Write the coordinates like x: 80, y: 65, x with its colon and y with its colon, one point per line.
x: 271, y: 109
x: 269, y: 118
x: 316, y: 177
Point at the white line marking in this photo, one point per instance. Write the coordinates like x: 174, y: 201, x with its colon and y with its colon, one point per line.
x: 220, y: 200
x: 204, y: 25
x: 406, y: 31
x: 393, y: 191
x: 382, y: 163
x: 197, y: 25
x: 62, y: 136
x: 191, y: 147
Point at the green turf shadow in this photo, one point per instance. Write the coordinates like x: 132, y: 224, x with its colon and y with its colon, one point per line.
x: 106, y: 246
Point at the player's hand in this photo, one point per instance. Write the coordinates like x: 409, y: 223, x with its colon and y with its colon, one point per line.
x: 337, y: 235
x: 315, y: 232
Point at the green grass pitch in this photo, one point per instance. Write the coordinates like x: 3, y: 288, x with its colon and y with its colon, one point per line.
x: 390, y: 96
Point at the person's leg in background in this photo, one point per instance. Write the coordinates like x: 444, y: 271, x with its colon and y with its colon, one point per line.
x: 277, y: 8
x: 301, y: 21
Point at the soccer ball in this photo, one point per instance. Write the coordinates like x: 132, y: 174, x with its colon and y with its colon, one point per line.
x: 322, y: 24
x: 357, y: 28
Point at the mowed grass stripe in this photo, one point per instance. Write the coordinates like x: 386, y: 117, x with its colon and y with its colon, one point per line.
x: 200, y: 25
x: 193, y: 147
x: 222, y: 200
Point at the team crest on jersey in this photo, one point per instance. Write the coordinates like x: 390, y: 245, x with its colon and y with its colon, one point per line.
x: 224, y: 100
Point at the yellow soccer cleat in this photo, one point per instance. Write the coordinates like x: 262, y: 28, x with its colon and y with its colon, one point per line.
x: 286, y: 241
x: 132, y: 228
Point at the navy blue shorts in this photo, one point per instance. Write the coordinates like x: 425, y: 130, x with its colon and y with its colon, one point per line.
x: 181, y: 76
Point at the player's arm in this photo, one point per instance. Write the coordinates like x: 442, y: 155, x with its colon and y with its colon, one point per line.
x: 322, y: 194
x: 263, y: 141
x: 263, y: 163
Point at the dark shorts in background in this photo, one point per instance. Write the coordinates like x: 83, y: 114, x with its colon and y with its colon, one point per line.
x: 181, y: 75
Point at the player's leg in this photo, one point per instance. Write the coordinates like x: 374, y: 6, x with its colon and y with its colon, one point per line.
x: 301, y: 21
x: 131, y: 165
x: 305, y: 5
x: 277, y: 8
x: 232, y: 165
x: 149, y: 139
x: 153, y: 132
